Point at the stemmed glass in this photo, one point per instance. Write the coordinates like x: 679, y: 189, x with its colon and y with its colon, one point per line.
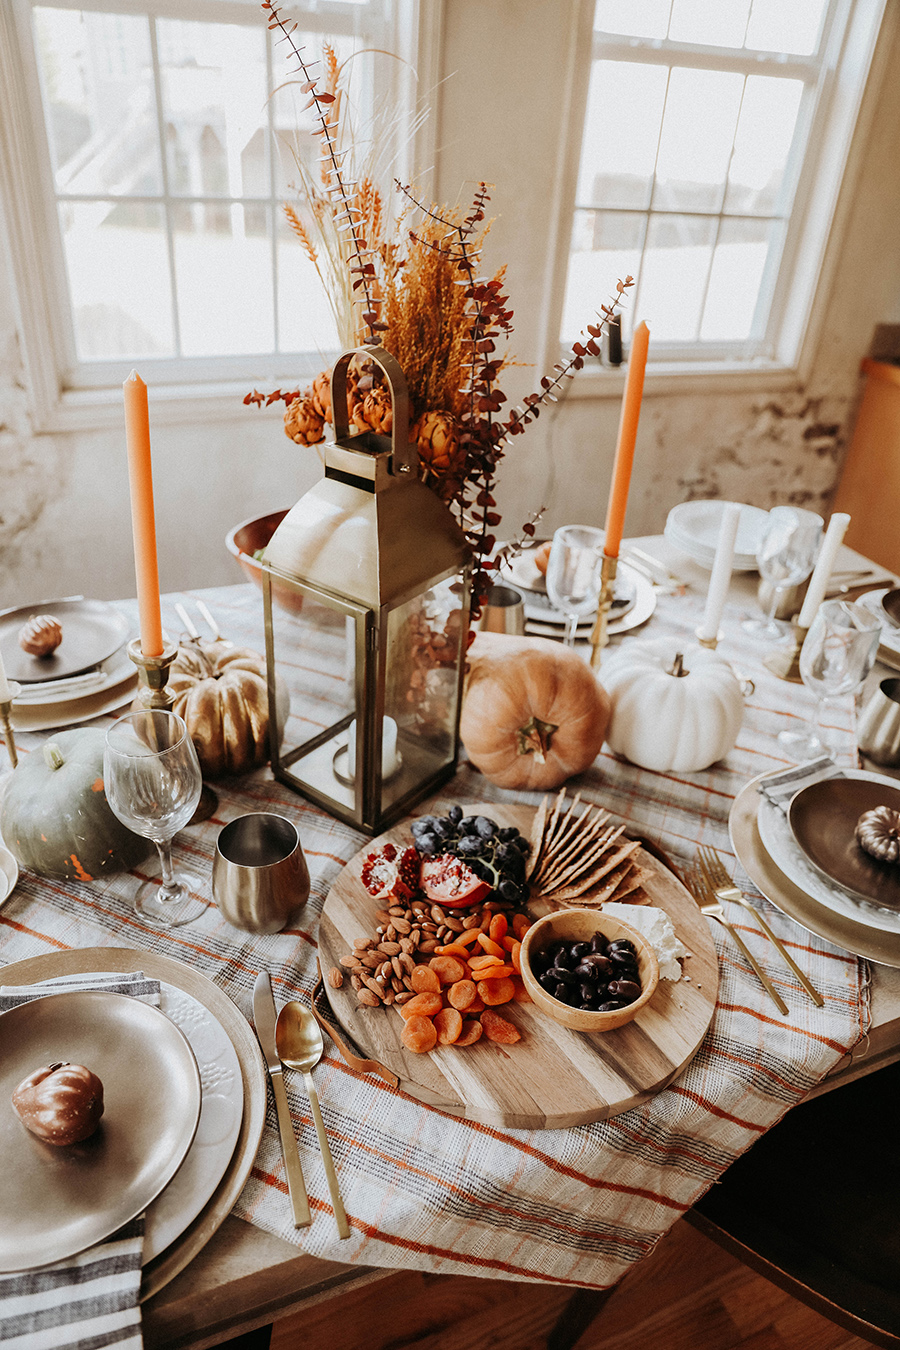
x: 837, y: 655
x: 786, y: 555
x: 153, y: 782
x: 573, y: 574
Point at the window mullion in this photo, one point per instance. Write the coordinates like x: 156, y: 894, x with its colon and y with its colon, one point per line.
x: 164, y: 171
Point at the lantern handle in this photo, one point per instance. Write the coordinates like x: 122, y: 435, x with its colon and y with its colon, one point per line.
x: 404, y: 456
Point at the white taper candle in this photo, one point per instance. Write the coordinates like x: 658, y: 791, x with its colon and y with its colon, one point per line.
x: 818, y: 582
x: 720, y: 577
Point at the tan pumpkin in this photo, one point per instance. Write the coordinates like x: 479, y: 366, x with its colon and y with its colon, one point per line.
x: 221, y: 692
x: 533, y: 713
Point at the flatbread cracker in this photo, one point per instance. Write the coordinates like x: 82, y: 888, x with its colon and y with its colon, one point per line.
x: 567, y: 870
x: 593, y: 897
x: 537, y: 838
x: 589, y: 840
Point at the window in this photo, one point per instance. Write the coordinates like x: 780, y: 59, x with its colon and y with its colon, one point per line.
x: 715, y: 134
x: 157, y: 158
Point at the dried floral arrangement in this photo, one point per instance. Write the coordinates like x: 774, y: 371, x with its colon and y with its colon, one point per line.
x: 415, y: 288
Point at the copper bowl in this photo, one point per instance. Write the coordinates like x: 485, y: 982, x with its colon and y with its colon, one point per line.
x: 250, y: 537
x: 580, y: 925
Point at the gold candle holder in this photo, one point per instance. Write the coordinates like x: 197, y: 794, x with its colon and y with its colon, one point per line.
x: 153, y: 672
x: 711, y: 643
x: 785, y: 661
x: 599, y: 636
x: 5, y: 712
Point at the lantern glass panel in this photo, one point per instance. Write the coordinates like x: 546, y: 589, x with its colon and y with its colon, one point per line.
x: 421, y: 687
x: 315, y: 645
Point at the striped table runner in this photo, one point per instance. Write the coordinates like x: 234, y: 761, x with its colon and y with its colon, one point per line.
x: 427, y: 1191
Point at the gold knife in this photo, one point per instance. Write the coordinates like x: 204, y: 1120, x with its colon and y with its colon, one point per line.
x: 264, y: 1018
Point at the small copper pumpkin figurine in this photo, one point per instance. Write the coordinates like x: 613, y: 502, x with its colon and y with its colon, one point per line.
x: 61, y: 1103
x: 878, y: 832
x: 41, y: 635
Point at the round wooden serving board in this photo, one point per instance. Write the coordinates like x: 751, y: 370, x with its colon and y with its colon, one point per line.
x: 553, y: 1077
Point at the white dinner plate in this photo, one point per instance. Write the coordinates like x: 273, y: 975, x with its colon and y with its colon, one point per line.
x: 9, y: 872
x: 54, y: 1201
x: 889, y: 642
x: 92, y: 630
x: 31, y: 717
x: 778, y: 840
x: 109, y: 673
x: 543, y: 618
x: 694, y: 528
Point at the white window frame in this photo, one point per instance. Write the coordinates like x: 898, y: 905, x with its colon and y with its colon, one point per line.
x: 189, y: 390
x: 823, y: 201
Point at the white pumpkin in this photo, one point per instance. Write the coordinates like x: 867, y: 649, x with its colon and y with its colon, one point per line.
x: 669, y: 713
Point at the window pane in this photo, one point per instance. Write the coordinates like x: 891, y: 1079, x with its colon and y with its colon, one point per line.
x: 764, y: 135
x: 606, y: 246
x: 734, y: 283
x: 214, y: 107
x: 224, y: 277
x: 794, y: 27
x: 621, y: 134
x: 120, y: 309
x: 98, y: 84
x: 637, y: 18
x: 305, y: 320
x: 673, y: 276
x: 698, y: 131
x: 718, y: 23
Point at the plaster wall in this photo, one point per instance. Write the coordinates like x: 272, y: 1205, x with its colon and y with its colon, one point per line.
x: 64, y: 514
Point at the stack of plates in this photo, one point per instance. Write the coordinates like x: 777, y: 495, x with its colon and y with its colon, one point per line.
x: 178, y: 1137
x: 694, y: 528
x: 633, y: 603
x: 807, y: 862
x: 89, y: 674
x: 889, y: 642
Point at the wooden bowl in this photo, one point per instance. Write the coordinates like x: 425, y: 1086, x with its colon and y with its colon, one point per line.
x: 580, y: 925
x: 248, y: 538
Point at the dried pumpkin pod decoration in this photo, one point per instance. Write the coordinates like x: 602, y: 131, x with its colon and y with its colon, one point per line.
x: 41, y: 635
x: 878, y: 833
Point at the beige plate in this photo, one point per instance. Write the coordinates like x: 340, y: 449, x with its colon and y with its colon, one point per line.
x: 876, y: 944
x: 163, y: 1268
x: 55, y: 1202
x: 92, y: 631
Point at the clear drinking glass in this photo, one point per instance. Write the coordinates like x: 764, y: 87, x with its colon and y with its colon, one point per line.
x: 153, y: 782
x: 786, y: 556
x: 573, y: 573
x: 837, y: 655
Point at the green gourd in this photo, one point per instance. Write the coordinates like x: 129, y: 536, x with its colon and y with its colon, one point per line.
x: 55, y: 817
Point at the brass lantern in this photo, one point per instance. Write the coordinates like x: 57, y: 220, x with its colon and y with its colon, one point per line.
x: 366, y: 586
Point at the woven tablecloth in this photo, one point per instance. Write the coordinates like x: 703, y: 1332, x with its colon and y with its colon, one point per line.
x: 426, y: 1190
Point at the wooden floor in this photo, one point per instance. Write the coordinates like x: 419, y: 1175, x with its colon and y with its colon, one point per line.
x: 689, y: 1295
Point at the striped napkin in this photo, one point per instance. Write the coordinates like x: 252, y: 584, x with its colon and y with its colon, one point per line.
x: 90, y: 1299
x: 779, y: 788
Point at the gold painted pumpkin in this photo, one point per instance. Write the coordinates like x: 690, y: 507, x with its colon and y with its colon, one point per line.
x: 533, y: 713
x: 221, y: 693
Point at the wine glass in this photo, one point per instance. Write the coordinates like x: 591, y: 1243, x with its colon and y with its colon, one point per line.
x: 153, y: 782
x: 786, y: 555
x: 837, y: 655
x: 573, y: 573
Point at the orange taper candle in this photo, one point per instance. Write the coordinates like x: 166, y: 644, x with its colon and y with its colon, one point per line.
x: 628, y: 425
x: 143, y: 524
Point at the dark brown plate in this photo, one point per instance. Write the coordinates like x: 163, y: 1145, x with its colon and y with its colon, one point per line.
x: 92, y: 631
x: 823, y: 819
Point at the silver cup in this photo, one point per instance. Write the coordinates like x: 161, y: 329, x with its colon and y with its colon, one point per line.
x: 259, y: 874
x: 504, y: 612
x: 878, y: 736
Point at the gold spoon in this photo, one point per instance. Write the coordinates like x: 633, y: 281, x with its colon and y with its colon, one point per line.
x: 299, y: 1043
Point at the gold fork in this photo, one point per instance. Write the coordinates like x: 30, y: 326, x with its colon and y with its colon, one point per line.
x: 710, y: 905
x: 725, y: 889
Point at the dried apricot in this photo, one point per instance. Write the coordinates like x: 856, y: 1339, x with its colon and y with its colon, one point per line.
x: 515, y: 956
x: 471, y: 1032
x: 448, y: 1023
x: 452, y: 949
x: 424, y: 979
x: 521, y: 995
x: 496, y: 1028
x: 447, y: 969
x: 462, y: 994
x: 521, y: 924
x: 497, y: 930
x: 419, y: 1035
x: 493, y: 992
x: 491, y: 947
x: 425, y: 1004
x: 498, y: 972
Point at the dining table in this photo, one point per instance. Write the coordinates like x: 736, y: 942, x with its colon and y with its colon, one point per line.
x: 429, y: 1189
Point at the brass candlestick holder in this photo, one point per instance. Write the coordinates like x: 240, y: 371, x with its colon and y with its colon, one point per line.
x: 5, y: 712
x: 153, y: 674
x: 600, y: 636
x: 711, y: 643
x: 785, y: 661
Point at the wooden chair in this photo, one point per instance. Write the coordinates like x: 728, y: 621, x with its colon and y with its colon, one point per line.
x: 815, y: 1206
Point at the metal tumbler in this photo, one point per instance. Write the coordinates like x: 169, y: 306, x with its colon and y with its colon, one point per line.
x: 259, y: 875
